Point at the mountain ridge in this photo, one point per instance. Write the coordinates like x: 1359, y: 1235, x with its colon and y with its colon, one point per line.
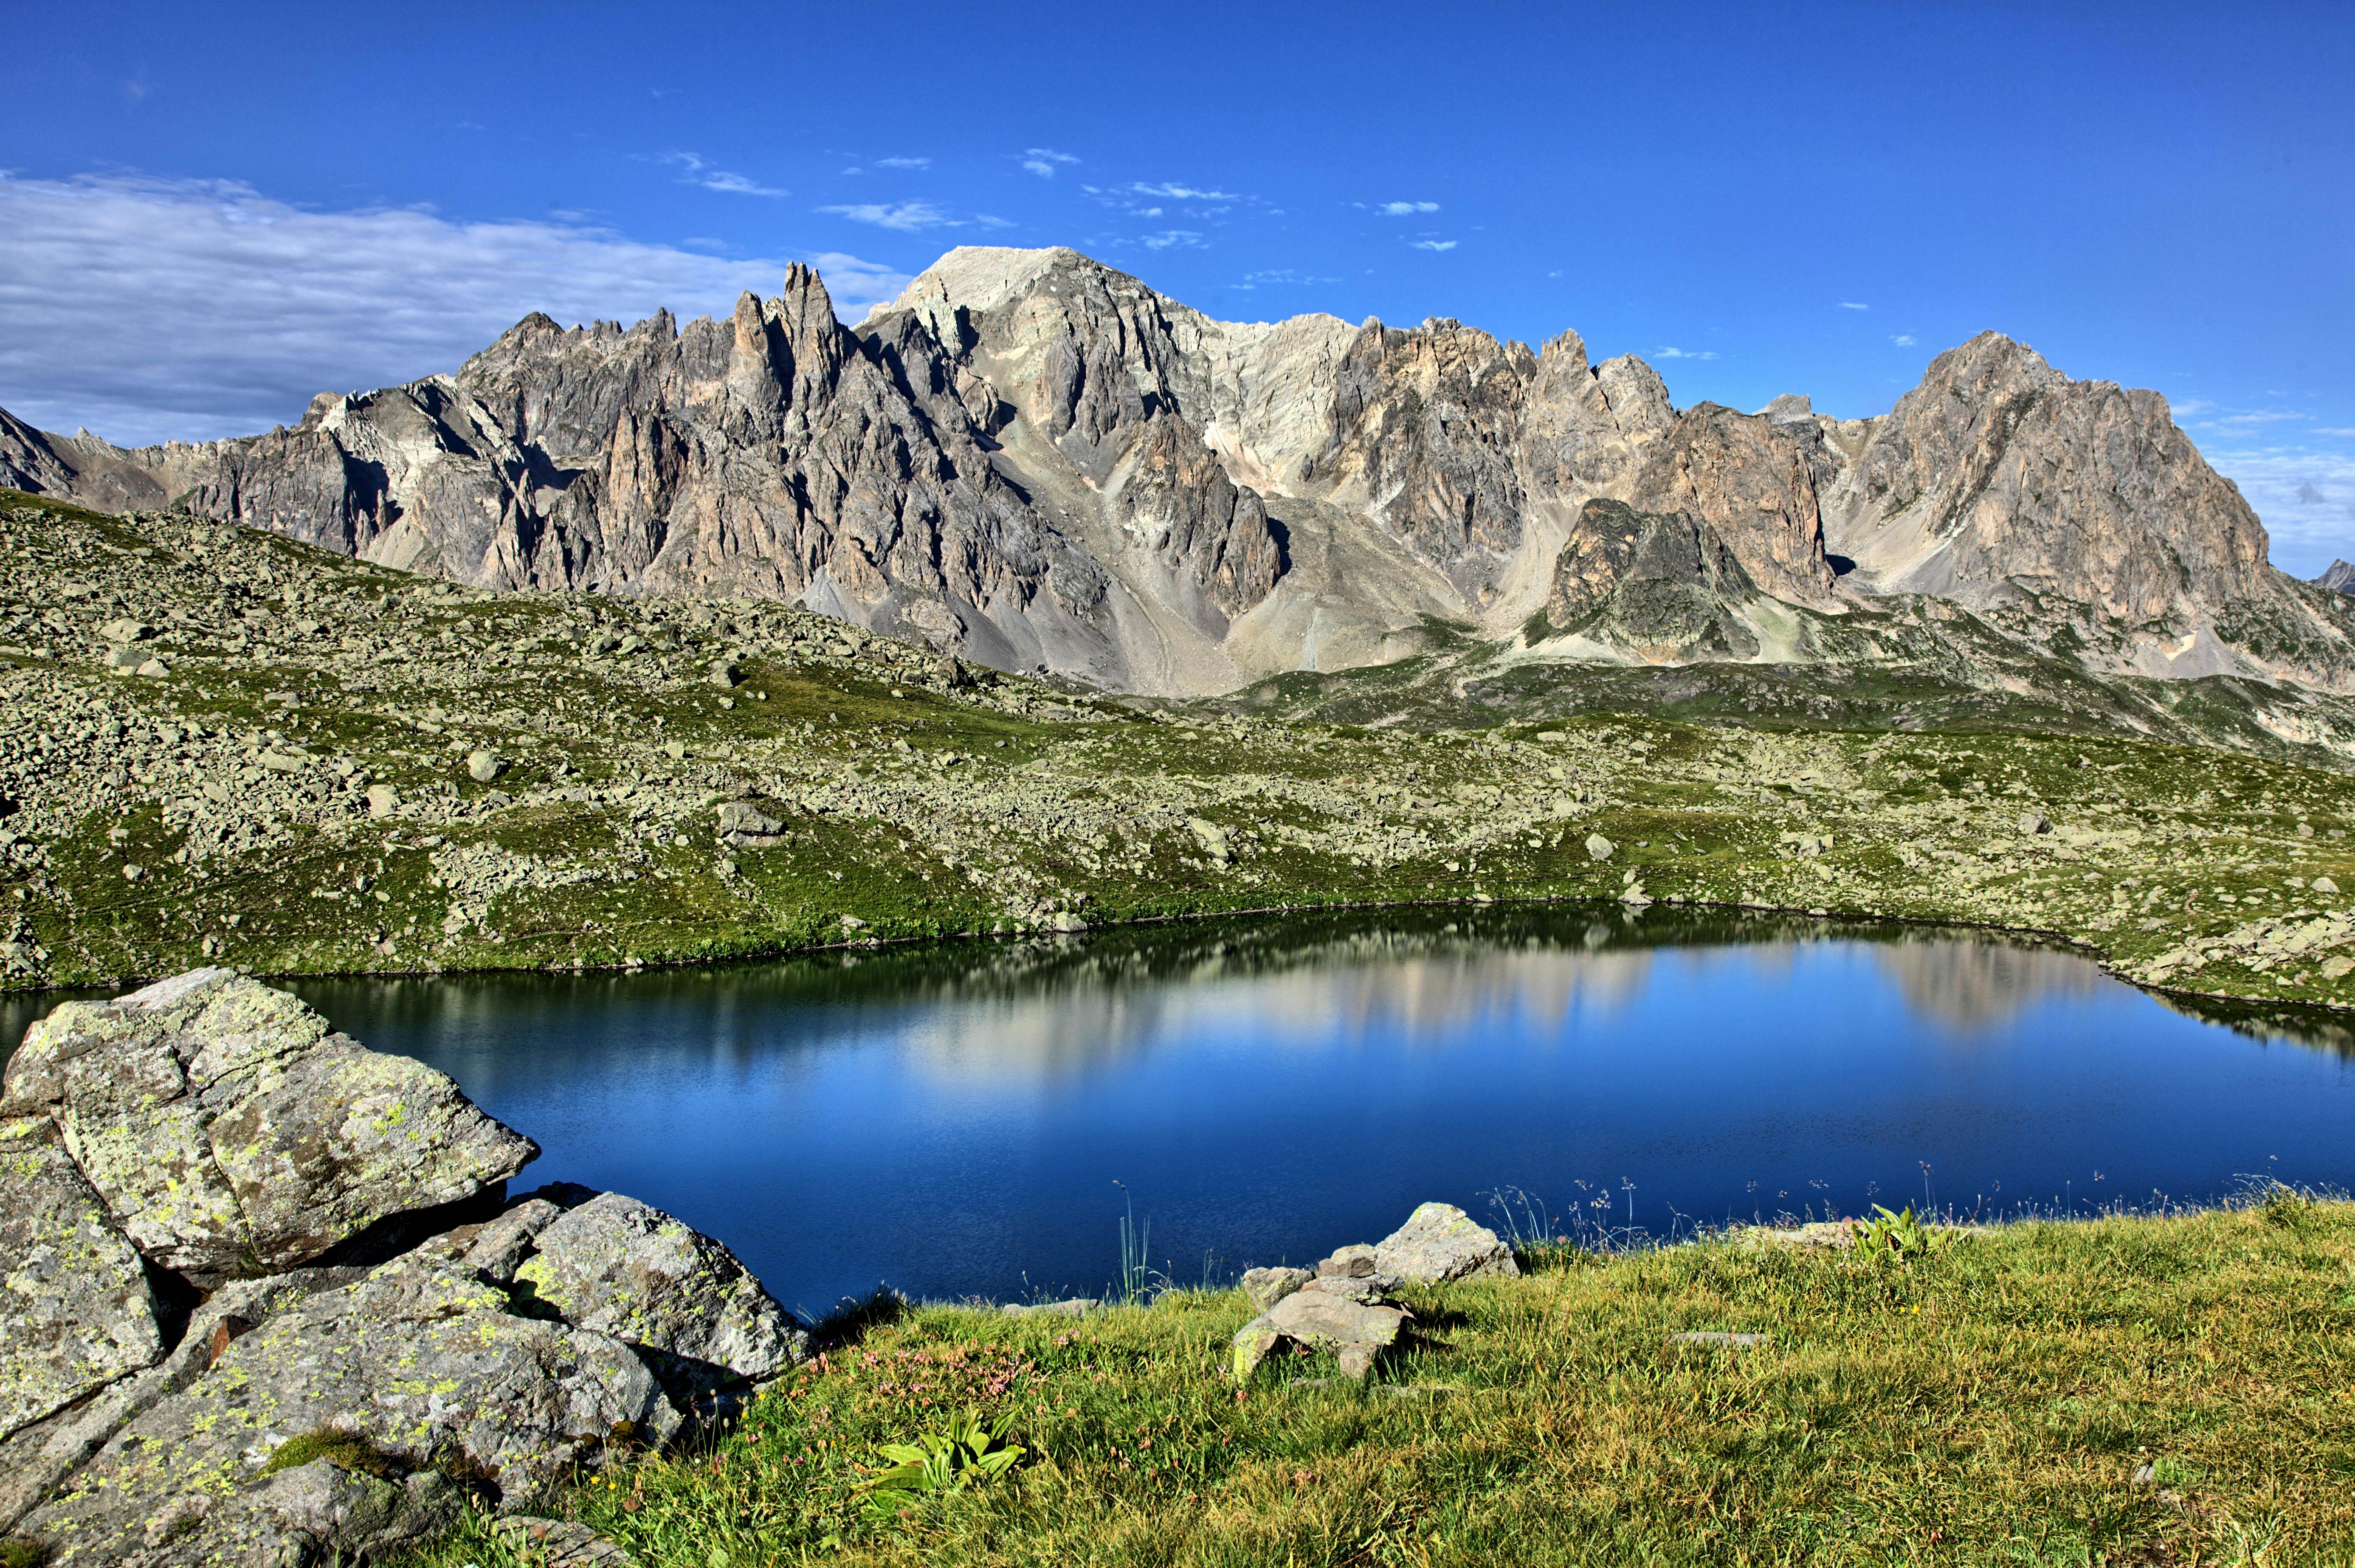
x: 1037, y: 461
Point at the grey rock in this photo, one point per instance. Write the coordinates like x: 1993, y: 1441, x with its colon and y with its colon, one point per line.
x: 620, y: 1267
x: 1440, y: 1242
x: 1598, y: 848
x: 421, y: 1361
x: 230, y: 1133
x: 76, y: 1311
x: 561, y: 1543
x: 2033, y: 823
x: 483, y: 766
x: 1264, y: 1288
x: 33, y: 1464
x: 1357, y: 1332
x: 383, y: 800
x: 1077, y: 1307
x: 1720, y: 1336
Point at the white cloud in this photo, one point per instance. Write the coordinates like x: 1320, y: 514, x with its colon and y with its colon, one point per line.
x: 1044, y: 161
x: 2333, y: 430
x: 1904, y: 340
x: 903, y: 163
x: 693, y: 171
x: 1685, y: 353
x: 149, y: 308
x: 1433, y: 244
x: 1174, y: 192
x: 1281, y: 276
x: 2306, y: 499
x: 908, y: 217
x: 1184, y: 238
x: 1402, y: 209
x: 1851, y: 305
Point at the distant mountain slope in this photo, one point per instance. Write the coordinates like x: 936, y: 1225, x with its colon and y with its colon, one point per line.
x: 1038, y: 462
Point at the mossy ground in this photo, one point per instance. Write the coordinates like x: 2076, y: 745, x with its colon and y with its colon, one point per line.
x: 2123, y: 1391
x: 915, y: 808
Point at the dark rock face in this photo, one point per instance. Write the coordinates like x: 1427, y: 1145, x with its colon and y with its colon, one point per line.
x: 1029, y: 459
x: 1753, y: 480
x: 1663, y: 587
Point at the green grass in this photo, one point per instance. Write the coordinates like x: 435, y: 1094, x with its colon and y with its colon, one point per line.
x: 1990, y: 1404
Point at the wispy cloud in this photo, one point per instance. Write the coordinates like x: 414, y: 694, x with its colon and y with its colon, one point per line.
x: 2334, y: 429
x: 1044, y: 161
x: 1904, y: 340
x: 1851, y: 305
x: 903, y: 163
x: 1673, y: 353
x: 1399, y: 208
x: 272, y: 303
x: 1181, y: 239
x: 1281, y: 276
x: 2306, y: 499
x: 1169, y: 190
x: 1434, y: 244
x: 693, y: 171
x: 907, y: 217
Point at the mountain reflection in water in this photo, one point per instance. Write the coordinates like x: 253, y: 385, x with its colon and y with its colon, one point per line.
x: 952, y: 1119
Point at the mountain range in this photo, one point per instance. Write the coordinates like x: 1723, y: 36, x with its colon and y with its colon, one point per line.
x: 1039, y: 463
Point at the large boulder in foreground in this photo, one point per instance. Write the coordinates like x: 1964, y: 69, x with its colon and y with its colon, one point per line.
x: 232, y: 1133
x: 1440, y: 1242
x: 423, y: 1372
x: 338, y: 1412
x: 76, y: 1310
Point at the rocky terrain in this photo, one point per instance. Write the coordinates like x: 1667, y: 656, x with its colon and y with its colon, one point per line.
x: 1037, y: 463
x: 218, y: 745
x: 267, y: 1302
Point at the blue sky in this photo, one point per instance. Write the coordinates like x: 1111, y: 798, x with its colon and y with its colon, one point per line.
x: 211, y: 212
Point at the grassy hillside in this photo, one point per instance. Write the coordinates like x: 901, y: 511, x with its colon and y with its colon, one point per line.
x: 221, y: 746
x: 2128, y: 1391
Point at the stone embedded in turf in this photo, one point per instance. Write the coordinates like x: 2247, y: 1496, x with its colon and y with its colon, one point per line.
x: 1355, y: 1331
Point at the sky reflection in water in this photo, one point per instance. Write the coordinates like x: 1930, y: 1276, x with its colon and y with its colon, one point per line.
x: 952, y: 1121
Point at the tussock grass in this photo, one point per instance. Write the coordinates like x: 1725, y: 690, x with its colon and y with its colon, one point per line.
x: 2124, y: 1390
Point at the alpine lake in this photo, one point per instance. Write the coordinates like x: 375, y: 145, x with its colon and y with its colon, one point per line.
x: 976, y: 1119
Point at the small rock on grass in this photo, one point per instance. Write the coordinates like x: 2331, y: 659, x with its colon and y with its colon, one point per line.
x: 562, y: 1543
x: 1077, y: 1307
x: 1440, y: 1242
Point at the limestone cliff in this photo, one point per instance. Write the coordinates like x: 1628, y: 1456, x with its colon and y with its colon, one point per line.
x: 1037, y: 461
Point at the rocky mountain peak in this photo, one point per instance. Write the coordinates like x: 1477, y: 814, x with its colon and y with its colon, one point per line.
x: 1030, y: 457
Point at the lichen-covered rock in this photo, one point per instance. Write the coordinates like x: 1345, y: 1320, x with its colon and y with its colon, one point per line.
x: 423, y: 1365
x: 1264, y: 1288
x: 1357, y: 1332
x: 76, y: 1311
x: 1440, y: 1242
x: 232, y: 1134
x: 620, y: 1267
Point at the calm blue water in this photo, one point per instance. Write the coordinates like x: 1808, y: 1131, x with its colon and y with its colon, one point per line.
x: 954, y: 1122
